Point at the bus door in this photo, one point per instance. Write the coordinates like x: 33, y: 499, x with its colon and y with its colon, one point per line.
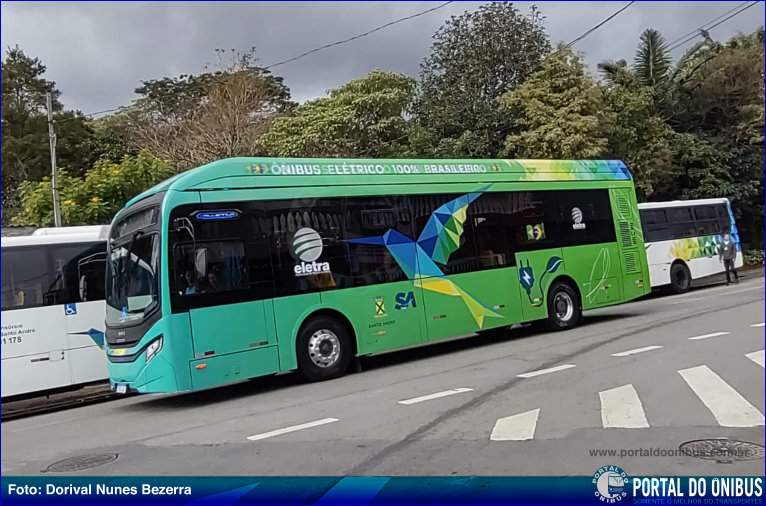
x: 78, y: 284
x: 220, y: 278
x: 630, y: 241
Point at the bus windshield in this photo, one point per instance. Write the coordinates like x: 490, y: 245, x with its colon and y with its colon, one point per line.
x: 131, y: 279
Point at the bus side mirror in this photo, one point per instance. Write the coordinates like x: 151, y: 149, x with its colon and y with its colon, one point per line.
x: 200, y: 262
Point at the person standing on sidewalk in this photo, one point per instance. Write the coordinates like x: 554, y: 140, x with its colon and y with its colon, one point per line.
x: 727, y: 251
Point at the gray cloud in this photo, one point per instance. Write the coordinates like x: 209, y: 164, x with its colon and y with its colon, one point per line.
x: 98, y: 52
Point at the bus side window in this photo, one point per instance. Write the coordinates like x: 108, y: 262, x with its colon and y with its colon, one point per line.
x: 490, y: 216
x: 78, y: 273
x: 25, y: 276
x: 371, y: 217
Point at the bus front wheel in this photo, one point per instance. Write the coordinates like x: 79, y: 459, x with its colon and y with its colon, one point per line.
x: 564, y: 310
x: 680, y: 278
x: 324, y: 349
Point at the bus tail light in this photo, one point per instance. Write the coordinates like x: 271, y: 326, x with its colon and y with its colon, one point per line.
x: 200, y: 366
x: 153, y: 348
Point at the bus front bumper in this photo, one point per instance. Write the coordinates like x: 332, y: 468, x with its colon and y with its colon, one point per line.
x: 158, y: 376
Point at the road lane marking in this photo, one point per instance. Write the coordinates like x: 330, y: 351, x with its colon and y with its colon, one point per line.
x: 757, y: 357
x: 758, y: 324
x: 437, y: 395
x: 637, y: 350
x: 760, y: 287
x: 545, y: 371
x: 294, y: 428
x: 362, y: 489
x: 705, y: 336
x: 515, y: 428
x: 621, y: 407
x: 690, y: 299
x: 729, y: 408
x: 39, y: 426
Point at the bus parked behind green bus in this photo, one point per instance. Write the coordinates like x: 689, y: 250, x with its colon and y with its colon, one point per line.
x: 251, y: 266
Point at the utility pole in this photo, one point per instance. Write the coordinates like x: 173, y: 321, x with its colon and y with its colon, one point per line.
x: 54, y: 170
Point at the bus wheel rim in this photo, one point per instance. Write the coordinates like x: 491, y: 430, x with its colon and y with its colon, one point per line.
x: 324, y: 348
x: 563, y: 305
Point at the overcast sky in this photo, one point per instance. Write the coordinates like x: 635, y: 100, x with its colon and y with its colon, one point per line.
x: 97, y: 53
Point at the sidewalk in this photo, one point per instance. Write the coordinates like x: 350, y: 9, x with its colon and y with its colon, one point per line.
x: 88, y: 394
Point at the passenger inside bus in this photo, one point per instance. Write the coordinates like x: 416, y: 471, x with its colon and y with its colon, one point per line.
x: 191, y: 282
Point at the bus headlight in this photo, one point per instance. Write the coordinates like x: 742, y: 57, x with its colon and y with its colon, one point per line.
x: 153, y: 348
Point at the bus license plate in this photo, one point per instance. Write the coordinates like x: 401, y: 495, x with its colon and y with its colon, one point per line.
x: 121, y: 388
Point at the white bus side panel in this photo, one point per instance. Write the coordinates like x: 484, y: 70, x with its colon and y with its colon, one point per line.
x: 85, y: 336
x: 45, y: 348
x: 660, y: 256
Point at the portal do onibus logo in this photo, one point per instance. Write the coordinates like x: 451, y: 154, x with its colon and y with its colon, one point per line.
x: 611, y: 484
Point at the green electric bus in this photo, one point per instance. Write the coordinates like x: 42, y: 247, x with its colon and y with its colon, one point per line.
x: 251, y: 266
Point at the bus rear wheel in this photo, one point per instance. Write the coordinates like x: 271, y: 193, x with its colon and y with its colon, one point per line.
x: 564, y: 310
x: 680, y: 278
x: 324, y: 349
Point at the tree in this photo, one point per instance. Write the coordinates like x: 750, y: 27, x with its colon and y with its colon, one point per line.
x: 112, y: 138
x: 476, y: 58
x: 96, y: 197
x: 558, y: 112
x: 363, y: 118
x: 727, y: 86
x: 25, y: 150
x: 653, y: 68
x: 192, y: 120
x: 639, y: 137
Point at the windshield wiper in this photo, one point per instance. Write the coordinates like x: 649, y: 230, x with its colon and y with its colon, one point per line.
x: 124, y: 270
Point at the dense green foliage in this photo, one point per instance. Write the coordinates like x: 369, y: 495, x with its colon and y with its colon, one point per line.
x: 364, y: 118
x: 95, y: 197
x: 474, y: 60
x: 491, y: 86
x: 558, y: 112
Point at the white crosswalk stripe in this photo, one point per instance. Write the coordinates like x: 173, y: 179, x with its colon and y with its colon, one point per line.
x: 757, y: 357
x: 758, y: 324
x: 516, y: 428
x: 728, y: 407
x: 621, y: 407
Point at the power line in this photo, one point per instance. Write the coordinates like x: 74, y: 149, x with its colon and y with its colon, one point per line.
x: 355, y: 37
x: 89, y: 115
x: 581, y: 37
x: 696, y: 30
x: 704, y: 28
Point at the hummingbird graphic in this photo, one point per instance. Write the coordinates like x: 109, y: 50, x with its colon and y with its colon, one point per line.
x: 422, y: 260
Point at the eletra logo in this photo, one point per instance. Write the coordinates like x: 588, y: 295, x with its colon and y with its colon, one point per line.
x: 306, y: 247
x: 577, y: 223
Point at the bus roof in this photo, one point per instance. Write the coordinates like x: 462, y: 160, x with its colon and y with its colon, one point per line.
x: 61, y: 235
x: 682, y: 203
x: 238, y: 173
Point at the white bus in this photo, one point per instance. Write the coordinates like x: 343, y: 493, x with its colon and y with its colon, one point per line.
x: 53, y: 309
x: 682, y: 237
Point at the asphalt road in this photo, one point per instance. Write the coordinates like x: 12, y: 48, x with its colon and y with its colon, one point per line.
x: 645, y: 376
